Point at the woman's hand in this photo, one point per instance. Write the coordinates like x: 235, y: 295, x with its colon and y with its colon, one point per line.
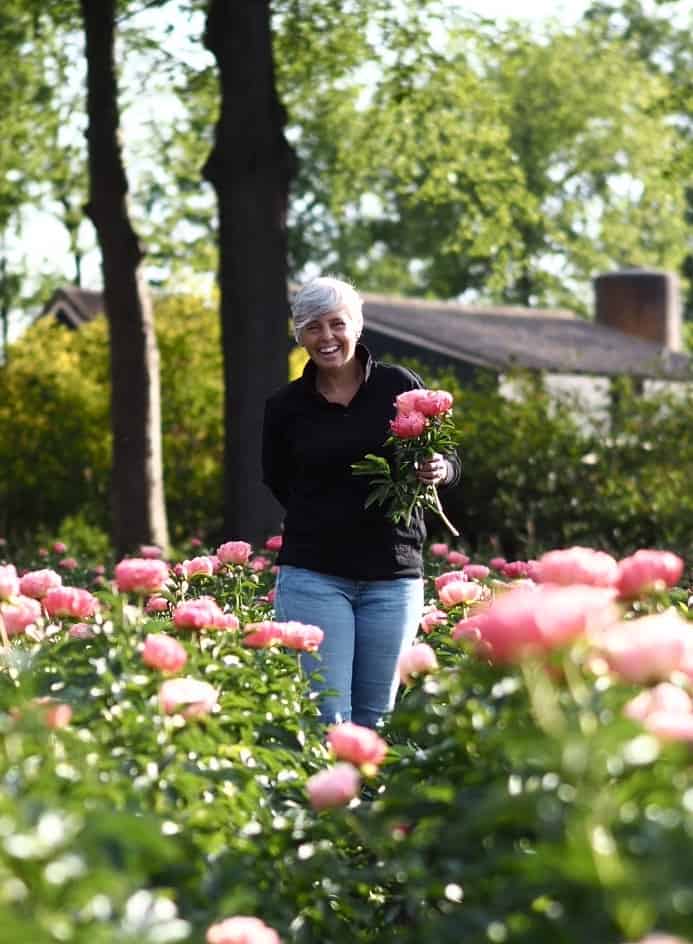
x: 433, y: 471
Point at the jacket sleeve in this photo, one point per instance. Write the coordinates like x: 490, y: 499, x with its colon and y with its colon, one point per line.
x: 275, y: 455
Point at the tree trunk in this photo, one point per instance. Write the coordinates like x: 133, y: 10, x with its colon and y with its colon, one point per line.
x: 250, y: 167
x: 138, y: 510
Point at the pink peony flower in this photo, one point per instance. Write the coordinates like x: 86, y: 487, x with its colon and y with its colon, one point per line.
x: 80, y: 631
x: 664, y: 697
x: 9, y: 581
x: 513, y: 569
x: 301, y: 636
x: 418, y: 659
x: 163, y: 652
x: 234, y: 552
x: 438, y: 550
x: 70, y: 602
x: 274, y: 542
x: 59, y: 547
x: 260, y: 563
x: 156, y: 605
x: 451, y: 576
x: 497, y: 563
x: 241, y: 930
x: 55, y: 714
x: 37, y: 583
x: 577, y: 565
x: 140, y: 575
x: 262, y: 635
x: 406, y: 402
x: 188, y: 696
x: 20, y: 614
x: 356, y: 744
x: 408, y: 425
x: 662, y: 939
x: 198, y: 566
x: 532, y: 620
x: 459, y: 591
x: 203, y: 613
x: 150, y: 551
x: 651, y: 647
x: 333, y: 787
x: 457, y: 559
x: 670, y: 725
x: 431, y: 619
x: 68, y: 563
x: 469, y: 628
x: 195, y: 542
x: 434, y: 402
x: 647, y: 570
x: 476, y: 571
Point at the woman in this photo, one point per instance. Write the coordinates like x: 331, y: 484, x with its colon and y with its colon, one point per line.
x: 344, y: 568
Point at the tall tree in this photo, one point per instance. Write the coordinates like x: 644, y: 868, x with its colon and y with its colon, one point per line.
x: 250, y: 167
x: 138, y: 509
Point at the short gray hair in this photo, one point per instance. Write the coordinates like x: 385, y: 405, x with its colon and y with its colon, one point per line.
x: 320, y: 297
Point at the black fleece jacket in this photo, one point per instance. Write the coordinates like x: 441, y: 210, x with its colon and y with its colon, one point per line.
x: 308, y: 447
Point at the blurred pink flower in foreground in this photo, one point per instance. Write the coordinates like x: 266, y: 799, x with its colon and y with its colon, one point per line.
x: 648, y: 570
x: 163, y: 652
x: 189, y: 696
x: 356, y: 744
x: 648, y: 648
x: 37, y: 583
x: 242, y: 930
x: 234, y: 552
x: 9, y: 581
x: 18, y: 615
x: 469, y: 628
x: 140, y: 575
x: 333, y: 787
x: 580, y: 565
x: 71, y: 602
x: 665, y: 711
x: 531, y: 620
x: 439, y: 550
x: 274, y: 542
x: 417, y: 660
x: 661, y: 939
x: 203, y: 613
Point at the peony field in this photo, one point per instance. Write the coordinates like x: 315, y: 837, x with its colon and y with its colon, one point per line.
x: 165, y: 777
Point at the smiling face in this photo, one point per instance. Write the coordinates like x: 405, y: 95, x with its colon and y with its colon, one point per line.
x: 330, y: 340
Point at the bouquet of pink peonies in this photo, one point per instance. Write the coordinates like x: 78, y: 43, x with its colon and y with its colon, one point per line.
x: 422, y: 427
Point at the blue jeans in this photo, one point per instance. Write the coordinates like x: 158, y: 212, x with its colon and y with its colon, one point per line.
x: 367, y: 624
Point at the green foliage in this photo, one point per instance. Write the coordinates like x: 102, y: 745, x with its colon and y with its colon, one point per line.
x: 54, y: 422
x: 540, y: 470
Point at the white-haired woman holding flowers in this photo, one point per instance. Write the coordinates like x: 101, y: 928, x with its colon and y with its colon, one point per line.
x: 350, y: 569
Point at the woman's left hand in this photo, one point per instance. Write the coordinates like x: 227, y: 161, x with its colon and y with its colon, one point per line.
x: 433, y: 471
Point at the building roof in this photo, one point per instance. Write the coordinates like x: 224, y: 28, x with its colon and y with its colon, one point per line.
x: 73, y: 306
x: 503, y: 338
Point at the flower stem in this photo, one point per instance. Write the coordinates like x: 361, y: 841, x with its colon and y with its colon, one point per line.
x: 441, y: 513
